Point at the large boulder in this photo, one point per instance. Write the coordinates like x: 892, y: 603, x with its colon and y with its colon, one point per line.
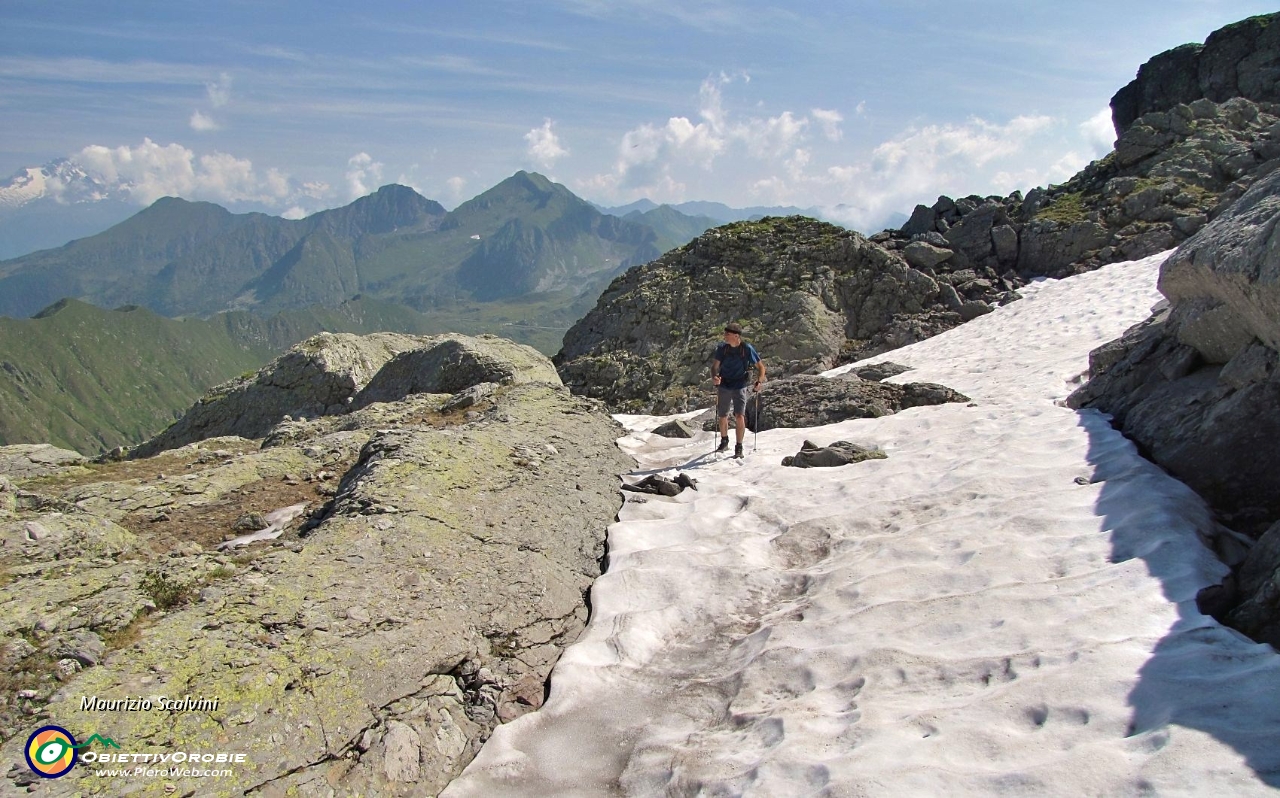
x: 452, y: 363
x: 1197, y: 385
x: 811, y: 401
x: 1225, y: 283
x: 328, y: 375
x: 317, y: 377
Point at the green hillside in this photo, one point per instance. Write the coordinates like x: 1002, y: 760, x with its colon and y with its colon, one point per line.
x: 90, y: 379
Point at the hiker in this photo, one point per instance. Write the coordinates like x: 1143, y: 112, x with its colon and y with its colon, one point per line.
x: 729, y: 371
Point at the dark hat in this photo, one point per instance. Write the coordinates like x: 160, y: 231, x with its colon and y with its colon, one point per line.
x: 733, y: 327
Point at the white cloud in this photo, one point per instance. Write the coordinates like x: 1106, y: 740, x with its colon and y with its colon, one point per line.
x: 219, y: 91
x: 456, y: 186
x: 203, y: 123
x: 923, y: 163
x: 1099, y: 132
x: 861, y: 109
x: 149, y: 171
x: 295, y: 212
x: 362, y: 171
x: 651, y: 156
x: 544, y: 145
x: 773, y: 137
x: 830, y: 122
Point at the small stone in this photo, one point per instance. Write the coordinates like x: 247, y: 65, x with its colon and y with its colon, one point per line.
x: 403, y: 753
x: 66, y: 669
x: 358, y: 614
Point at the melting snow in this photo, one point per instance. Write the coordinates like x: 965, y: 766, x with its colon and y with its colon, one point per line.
x: 1005, y: 606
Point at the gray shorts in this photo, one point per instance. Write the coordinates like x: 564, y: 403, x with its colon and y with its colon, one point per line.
x: 724, y: 396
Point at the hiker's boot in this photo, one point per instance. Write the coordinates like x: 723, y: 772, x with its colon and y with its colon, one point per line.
x: 724, y: 445
x: 737, y: 450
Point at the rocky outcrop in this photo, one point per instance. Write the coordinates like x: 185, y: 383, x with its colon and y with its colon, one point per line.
x: 331, y: 374
x: 439, y: 567
x: 1192, y: 129
x: 811, y: 401
x: 1170, y: 173
x: 809, y: 294
x: 1239, y: 60
x: 317, y: 377
x: 1197, y: 385
x: 449, y: 364
x: 37, y: 459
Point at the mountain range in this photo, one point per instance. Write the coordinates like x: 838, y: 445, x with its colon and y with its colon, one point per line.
x: 44, y: 207
x: 525, y: 235
x: 524, y: 260
x: 718, y: 211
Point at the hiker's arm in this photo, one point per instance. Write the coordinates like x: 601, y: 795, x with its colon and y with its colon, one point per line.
x: 759, y: 373
x: 715, y: 371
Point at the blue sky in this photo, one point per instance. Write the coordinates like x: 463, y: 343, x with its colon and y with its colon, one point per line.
x: 872, y: 106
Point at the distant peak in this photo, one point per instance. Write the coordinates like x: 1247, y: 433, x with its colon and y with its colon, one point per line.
x: 395, y: 189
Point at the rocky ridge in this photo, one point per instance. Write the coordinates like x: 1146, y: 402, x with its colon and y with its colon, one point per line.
x: 1170, y: 173
x: 439, y: 567
x: 1192, y: 129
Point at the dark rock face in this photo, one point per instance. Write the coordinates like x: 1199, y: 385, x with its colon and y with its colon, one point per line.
x: 832, y: 456
x: 809, y: 294
x: 1197, y: 386
x: 810, y: 401
x: 1239, y: 60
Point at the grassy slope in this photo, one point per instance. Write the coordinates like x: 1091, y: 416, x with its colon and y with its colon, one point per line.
x: 92, y: 379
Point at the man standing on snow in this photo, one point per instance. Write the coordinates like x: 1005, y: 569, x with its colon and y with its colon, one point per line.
x: 729, y: 371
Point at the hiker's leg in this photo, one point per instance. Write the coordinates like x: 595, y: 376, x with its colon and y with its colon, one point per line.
x: 739, y: 412
x: 723, y: 398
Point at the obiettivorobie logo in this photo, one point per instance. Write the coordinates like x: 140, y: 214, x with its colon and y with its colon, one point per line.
x: 51, y: 750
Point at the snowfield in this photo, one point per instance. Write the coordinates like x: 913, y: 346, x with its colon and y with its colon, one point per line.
x: 1004, y: 606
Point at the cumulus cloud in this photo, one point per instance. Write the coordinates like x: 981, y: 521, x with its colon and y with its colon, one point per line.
x: 1099, y: 133
x: 652, y: 157
x: 202, y: 123
x: 219, y: 91
x: 544, y: 145
x: 149, y: 171
x: 364, y: 175
x: 456, y: 185
x: 830, y: 122
x: 922, y: 163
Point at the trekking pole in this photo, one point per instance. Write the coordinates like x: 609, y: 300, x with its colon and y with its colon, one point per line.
x: 755, y: 433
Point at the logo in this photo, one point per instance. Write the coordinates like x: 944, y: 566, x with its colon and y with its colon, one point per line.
x: 51, y: 751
